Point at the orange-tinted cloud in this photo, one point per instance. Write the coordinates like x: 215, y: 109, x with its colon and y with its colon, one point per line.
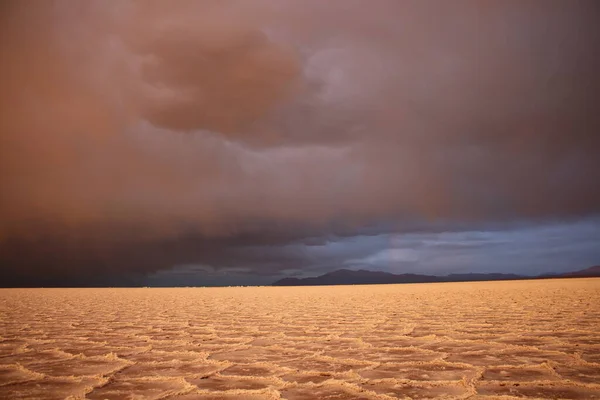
x: 141, y: 122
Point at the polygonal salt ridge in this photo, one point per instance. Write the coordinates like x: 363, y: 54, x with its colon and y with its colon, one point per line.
x: 33, y: 357
x: 395, y: 340
x: 386, y: 354
x: 525, y: 340
x: 101, y: 350
x: 450, y: 345
x: 392, y: 389
x: 17, y: 373
x: 268, y: 341
x: 123, y: 340
x: 82, y: 360
x: 540, y: 390
x: 11, y: 349
x: 590, y: 355
x: 305, y: 342
x: 79, y: 370
x: 162, y: 335
x: 258, y: 354
x: 173, y: 345
x: 316, y: 364
x: 46, y: 347
x: 534, y: 353
x: 218, y: 338
x: 580, y: 373
x: 147, y: 388
x: 221, y: 348
x: 514, y: 357
x: 313, y: 377
x: 254, y: 369
x: 15, y: 340
x: 526, y: 373
x: 227, y: 383
x: 50, y: 388
x: 330, y: 389
x: 437, y: 370
x: 168, y: 369
x: 526, y: 346
x: 158, y: 355
x: 267, y: 394
x: 302, y: 334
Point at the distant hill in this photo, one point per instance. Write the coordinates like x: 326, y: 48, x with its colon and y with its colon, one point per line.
x: 481, y: 277
x: 584, y: 273
x: 364, y: 277
x: 360, y: 277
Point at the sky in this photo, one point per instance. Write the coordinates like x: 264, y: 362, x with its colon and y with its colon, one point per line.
x: 238, y: 142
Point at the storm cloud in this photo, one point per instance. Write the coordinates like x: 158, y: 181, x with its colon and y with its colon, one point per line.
x: 138, y: 136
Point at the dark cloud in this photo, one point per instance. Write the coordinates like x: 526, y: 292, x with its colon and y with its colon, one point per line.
x: 209, y: 66
x: 135, y: 136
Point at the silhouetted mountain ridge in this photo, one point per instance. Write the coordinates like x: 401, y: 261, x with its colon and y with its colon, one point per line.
x: 365, y: 277
x: 588, y: 272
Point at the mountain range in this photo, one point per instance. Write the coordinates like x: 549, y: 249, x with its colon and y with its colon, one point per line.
x: 364, y: 277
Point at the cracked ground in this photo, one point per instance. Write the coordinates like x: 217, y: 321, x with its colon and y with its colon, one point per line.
x: 534, y: 339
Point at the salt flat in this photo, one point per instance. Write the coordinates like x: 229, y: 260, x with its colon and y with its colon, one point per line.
x: 484, y: 340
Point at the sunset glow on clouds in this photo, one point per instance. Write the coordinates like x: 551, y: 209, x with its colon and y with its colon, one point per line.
x: 140, y: 136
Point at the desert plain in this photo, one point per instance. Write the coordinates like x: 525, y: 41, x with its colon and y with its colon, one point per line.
x: 537, y: 339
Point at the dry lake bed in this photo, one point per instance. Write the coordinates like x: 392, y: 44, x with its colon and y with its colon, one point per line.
x: 484, y: 340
